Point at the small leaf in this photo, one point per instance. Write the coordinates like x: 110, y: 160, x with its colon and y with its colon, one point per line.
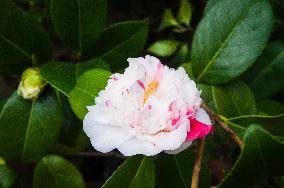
x: 7, y: 177
x: 229, y: 39
x: 54, y: 171
x: 234, y: 99
x: 119, y: 42
x: 176, y: 170
x: 87, y: 88
x: 29, y: 128
x: 135, y: 172
x: 168, y: 20
x: 266, y: 77
x: 184, y: 13
x: 262, y: 154
x: 78, y: 22
x: 164, y: 48
x: 63, y: 75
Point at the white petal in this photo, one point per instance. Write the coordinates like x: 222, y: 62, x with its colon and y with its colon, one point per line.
x: 202, y: 116
x: 183, y: 147
x: 134, y: 146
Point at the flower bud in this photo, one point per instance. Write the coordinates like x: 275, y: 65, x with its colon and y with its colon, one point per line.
x: 31, y: 84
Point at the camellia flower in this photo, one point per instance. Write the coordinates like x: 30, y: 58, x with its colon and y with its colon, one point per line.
x: 148, y: 109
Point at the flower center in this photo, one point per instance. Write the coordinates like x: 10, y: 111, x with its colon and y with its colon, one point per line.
x: 152, y: 87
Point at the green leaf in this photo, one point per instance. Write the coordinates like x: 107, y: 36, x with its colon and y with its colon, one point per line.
x: 55, y: 171
x: 135, y: 172
x: 176, y: 170
x: 229, y: 38
x: 234, y: 99
x: 7, y: 177
x: 188, y: 68
x: 63, y: 75
x: 164, y: 48
x: 270, y: 107
x: 120, y: 41
x: 266, y: 77
x: 168, y: 20
x: 209, y: 5
x: 184, y: 13
x: 29, y: 128
x: 78, y: 22
x: 87, y: 88
x: 272, y: 123
x: 20, y: 37
x: 262, y: 154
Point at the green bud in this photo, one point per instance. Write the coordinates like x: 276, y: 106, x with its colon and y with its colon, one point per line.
x: 31, y: 84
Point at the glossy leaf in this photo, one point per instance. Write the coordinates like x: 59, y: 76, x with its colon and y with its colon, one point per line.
x: 63, y: 75
x: 20, y: 37
x: 164, y: 48
x: 87, y: 88
x: 135, y: 172
x: 7, y: 177
x: 78, y: 22
x: 262, y: 154
x: 168, y: 20
x: 266, y: 77
x: 184, y: 13
x: 234, y: 99
x: 176, y: 170
x: 222, y: 49
x: 54, y: 171
x: 28, y: 128
x: 119, y: 42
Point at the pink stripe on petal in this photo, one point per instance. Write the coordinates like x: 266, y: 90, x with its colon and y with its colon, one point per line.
x: 141, y: 84
x: 198, y: 129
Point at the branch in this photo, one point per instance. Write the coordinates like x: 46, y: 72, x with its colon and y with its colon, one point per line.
x: 197, y: 165
x: 224, y: 125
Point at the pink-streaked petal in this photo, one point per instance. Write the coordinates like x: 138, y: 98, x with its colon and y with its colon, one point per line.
x: 198, y: 129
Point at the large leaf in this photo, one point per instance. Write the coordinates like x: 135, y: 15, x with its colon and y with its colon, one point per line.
x: 20, y: 37
x: 78, y: 22
x: 135, y: 172
x: 270, y: 107
x: 234, y: 99
x: 29, y: 128
x: 229, y: 38
x: 54, y: 171
x: 262, y: 154
x: 87, y: 88
x: 63, y: 75
x: 266, y: 77
x: 176, y: 170
x: 7, y: 177
x: 272, y: 123
x: 120, y: 41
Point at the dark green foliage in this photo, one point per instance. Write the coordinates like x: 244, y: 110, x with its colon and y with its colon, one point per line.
x: 55, y: 171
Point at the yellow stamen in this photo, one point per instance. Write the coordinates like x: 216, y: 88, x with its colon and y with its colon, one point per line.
x: 152, y: 87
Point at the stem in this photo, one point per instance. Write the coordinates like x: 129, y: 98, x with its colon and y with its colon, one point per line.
x: 224, y: 125
x: 197, y: 165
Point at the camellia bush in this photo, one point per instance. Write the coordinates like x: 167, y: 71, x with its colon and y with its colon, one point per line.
x: 124, y: 93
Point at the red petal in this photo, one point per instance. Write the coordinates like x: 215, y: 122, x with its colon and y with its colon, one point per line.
x: 198, y: 129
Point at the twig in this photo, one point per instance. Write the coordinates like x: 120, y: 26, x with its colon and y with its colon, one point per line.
x: 197, y: 165
x: 224, y: 125
x: 98, y: 154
